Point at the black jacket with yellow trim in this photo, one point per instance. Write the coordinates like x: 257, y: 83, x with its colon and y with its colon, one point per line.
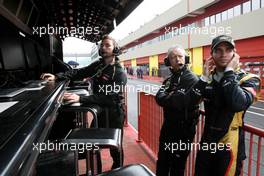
x: 225, y: 100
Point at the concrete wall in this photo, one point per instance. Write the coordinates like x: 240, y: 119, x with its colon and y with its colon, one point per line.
x: 157, y: 48
x: 197, y: 4
x: 241, y: 27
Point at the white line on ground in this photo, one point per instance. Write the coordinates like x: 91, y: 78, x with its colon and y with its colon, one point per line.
x: 256, y: 113
x: 254, y: 107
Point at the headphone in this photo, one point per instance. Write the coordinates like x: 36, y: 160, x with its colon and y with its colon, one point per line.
x: 167, y: 61
x: 116, y: 51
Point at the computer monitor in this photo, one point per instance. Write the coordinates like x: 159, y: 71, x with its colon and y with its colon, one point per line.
x: 30, y: 53
x: 56, y: 47
x: 45, y: 59
x: 11, y: 52
x: 11, y: 49
x: 32, y: 60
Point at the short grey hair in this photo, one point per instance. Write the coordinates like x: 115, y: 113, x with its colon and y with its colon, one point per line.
x: 179, y: 47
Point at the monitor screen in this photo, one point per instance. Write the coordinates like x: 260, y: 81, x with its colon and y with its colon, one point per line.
x: 56, y: 47
x: 12, y: 52
x: 30, y: 53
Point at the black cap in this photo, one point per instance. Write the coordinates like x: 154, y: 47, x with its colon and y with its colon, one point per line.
x: 222, y: 38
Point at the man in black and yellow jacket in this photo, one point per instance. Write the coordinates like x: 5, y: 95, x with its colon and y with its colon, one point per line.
x: 227, y: 92
x: 109, y: 80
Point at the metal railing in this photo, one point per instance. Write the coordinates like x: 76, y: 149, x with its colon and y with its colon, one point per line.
x: 150, y: 119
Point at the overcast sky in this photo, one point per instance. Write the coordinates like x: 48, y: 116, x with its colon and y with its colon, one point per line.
x: 144, y: 13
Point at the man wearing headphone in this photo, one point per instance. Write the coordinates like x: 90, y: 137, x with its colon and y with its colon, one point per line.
x: 109, y: 80
x: 180, y: 116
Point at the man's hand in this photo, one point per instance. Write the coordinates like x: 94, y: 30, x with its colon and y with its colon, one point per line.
x: 48, y: 76
x: 71, y: 97
x: 209, y: 66
x: 234, y: 62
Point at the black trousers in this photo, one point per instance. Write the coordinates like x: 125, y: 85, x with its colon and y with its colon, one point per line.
x: 217, y: 164
x: 174, y: 148
x: 221, y: 162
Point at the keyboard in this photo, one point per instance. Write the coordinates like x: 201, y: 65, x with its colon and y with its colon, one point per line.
x: 35, y: 83
x: 79, y: 91
x: 33, y: 87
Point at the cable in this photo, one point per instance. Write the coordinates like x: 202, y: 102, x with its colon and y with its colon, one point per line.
x: 99, y: 71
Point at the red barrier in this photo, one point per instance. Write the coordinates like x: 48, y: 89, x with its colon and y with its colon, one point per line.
x: 150, y: 120
x: 125, y: 108
x: 149, y: 125
x: 254, y: 155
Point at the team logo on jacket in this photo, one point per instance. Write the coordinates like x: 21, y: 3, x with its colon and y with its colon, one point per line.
x: 167, y: 84
x: 105, y: 77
